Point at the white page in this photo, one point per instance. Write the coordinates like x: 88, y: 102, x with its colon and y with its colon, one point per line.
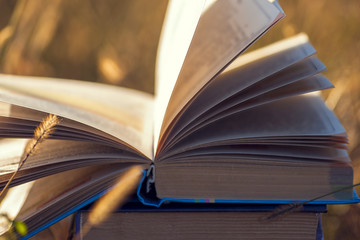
x: 225, y: 29
x: 122, y: 113
x: 305, y: 153
x: 303, y: 86
x: 12, y: 203
x: 179, y: 26
x: 247, y: 70
x: 294, y: 117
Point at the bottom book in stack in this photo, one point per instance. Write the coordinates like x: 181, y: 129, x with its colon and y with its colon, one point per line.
x: 204, y: 221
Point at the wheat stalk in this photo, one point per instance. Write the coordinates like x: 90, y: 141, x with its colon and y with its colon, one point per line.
x: 283, y: 210
x: 123, y: 187
x: 42, y: 132
x: 292, y: 207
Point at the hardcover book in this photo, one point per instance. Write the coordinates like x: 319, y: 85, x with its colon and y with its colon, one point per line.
x: 222, y: 127
x: 207, y: 221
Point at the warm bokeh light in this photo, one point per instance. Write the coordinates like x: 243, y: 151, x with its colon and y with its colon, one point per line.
x: 115, y: 42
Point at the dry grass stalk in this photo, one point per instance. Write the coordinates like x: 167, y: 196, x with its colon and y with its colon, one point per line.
x: 283, y: 210
x: 5, y: 34
x: 42, y: 132
x: 296, y: 206
x: 123, y: 187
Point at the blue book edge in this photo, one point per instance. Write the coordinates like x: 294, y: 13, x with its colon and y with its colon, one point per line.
x: 66, y: 214
x: 158, y: 202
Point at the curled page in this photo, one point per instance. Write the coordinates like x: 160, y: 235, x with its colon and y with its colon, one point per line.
x: 225, y: 29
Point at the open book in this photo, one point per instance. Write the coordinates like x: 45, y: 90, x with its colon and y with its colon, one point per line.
x: 217, y: 130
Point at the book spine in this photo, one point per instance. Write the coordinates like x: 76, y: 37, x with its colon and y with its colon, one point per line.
x: 150, y: 176
x: 146, y: 191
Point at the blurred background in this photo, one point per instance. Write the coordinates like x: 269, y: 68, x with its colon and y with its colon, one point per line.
x: 115, y: 42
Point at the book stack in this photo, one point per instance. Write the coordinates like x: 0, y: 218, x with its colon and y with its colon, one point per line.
x: 204, y: 221
x: 225, y: 140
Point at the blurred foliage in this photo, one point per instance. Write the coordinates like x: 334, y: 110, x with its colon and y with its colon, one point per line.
x: 107, y: 41
x: 115, y: 42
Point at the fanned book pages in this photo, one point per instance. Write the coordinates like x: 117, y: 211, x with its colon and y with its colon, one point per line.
x: 222, y: 127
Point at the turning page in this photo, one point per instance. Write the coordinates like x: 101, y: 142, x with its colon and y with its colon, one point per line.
x: 225, y: 29
x: 179, y: 26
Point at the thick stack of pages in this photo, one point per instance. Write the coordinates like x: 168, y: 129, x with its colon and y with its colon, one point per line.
x: 219, y: 221
x: 252, y: 133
